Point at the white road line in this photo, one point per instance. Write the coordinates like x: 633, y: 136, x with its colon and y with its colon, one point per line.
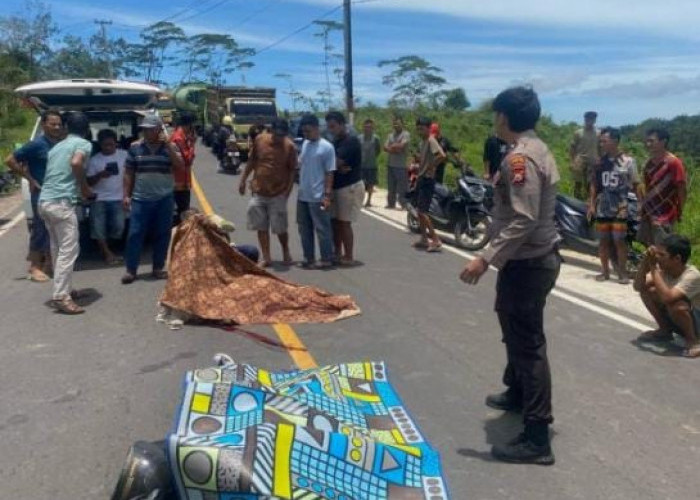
x: 557, y: 292
x: 18, y: 218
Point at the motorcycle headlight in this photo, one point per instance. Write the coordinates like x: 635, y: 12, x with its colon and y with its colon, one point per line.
x: 477, y: 193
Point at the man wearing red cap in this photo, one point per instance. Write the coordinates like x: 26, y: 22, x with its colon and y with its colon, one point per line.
x: 447, y: 148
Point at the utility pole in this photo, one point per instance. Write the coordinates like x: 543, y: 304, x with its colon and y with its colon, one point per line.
x: 349, y: 99
x: 103, y: 23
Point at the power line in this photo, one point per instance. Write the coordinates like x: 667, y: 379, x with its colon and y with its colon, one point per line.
x: 184, y: 10
x: 299, y: 30
x: 307, y: 26
x: 217, y: 4
x: 256, y: 13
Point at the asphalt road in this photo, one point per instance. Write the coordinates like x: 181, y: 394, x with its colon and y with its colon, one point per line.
x: 78, y: 390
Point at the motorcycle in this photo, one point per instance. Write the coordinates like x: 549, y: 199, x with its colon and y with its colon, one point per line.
x: 578, y: 233
x: 463, y: 211
x: 231, y: 161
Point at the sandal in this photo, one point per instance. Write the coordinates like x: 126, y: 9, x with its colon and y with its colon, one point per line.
x: 67, y: 306
x: 37, y: 276
x: 623, y: 280
x: 602, y: 277
x: 655, y: 336
x: 160, y: 274
x: 434, y: 247
x: 128, y: 279
x: 692, y: 352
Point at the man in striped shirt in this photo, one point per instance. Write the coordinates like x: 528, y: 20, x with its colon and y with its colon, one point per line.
x: 148, y: 194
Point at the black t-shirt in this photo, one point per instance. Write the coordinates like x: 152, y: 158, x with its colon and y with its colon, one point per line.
x: 495, y: 150
x: 447, y: 147
x: 349, y: 150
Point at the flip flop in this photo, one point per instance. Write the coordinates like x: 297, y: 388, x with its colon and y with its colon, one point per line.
x: 655, y: 336
x: 434, y: 248
x: 602, y: 277
x: 692, y: 352
x: 67, y: 306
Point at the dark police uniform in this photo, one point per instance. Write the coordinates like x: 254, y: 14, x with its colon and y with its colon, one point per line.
x: 524, y: 249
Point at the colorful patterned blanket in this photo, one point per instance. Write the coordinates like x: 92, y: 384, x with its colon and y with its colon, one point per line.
x: 338, y: 433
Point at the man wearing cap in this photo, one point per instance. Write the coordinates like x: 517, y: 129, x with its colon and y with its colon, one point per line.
x: 584, y: 154
x: 273, y: 162
x: 148, y: 193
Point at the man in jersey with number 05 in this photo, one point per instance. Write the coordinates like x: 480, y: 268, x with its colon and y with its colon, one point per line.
x: 614, y: 176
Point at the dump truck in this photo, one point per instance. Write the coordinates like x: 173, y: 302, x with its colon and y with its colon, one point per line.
x: 246, y: 106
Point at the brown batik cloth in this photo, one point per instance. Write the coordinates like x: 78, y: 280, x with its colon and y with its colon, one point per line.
x: 210, y: 280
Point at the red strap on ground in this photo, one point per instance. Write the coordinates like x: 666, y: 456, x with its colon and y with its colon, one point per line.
x: 261, y: 338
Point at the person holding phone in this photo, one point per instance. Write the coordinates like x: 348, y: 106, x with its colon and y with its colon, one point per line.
x: 105, y: 174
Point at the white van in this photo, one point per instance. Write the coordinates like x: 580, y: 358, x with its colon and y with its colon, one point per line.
x: 114, y: 104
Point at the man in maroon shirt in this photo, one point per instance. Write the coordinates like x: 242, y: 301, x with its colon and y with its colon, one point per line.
x: 665, y: 189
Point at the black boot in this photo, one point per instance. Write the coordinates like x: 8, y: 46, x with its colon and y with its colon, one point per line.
x: 530, y: 447
x: 506, y: 401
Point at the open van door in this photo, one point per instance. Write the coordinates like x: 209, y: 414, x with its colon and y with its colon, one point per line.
x: 83, y: 94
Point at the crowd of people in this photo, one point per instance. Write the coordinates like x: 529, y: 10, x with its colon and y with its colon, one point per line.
x: 151, y: 181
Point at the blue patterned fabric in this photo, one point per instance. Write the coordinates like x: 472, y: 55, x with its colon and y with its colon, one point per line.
x: 339, y: 433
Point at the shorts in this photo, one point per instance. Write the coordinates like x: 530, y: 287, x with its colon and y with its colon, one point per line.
x: 653, y: 234
x: 695, y: 313
x: 424, y: 194
x: 611, y: 227
x: 106, y: 220
x: 268, y: 213
x: 347, y: 202
x: 369, y: 176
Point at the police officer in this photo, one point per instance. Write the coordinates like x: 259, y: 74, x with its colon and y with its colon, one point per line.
x: 524, y: 249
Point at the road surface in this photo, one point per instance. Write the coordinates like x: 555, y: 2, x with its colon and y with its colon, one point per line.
x: 78, y: 390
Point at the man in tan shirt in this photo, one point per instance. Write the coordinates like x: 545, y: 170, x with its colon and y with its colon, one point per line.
x: 430, y: 156
x: 584, y: 154
x: 273, y: 162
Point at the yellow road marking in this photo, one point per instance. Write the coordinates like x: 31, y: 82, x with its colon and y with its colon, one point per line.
x: 288, y: 337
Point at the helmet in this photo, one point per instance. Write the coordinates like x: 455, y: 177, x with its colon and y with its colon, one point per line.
x: 146, y: 474
x: 226, y: 120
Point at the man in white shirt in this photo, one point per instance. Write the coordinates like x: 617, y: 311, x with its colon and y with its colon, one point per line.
x: 105, y: 174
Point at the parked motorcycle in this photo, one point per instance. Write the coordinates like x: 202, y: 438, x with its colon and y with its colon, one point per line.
x: 578, y: 233
x: 463, y: 211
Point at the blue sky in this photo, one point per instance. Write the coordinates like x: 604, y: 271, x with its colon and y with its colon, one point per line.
x: 627, y: 59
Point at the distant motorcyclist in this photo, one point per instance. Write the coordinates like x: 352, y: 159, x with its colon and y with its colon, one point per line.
x: 221, y: 137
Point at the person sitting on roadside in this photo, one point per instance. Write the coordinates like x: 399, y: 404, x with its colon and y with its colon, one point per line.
x: 273, y: 163
x: 670, y: 290
x: 29, y: 161
x: 613, y: 177
x: 63, y: 185
x: 105, y: 175
x: 148, y: 194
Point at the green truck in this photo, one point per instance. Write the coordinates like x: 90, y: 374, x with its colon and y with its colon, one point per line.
x: 246, y: 106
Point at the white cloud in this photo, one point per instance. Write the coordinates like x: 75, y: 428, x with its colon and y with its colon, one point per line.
x: 676, y: 18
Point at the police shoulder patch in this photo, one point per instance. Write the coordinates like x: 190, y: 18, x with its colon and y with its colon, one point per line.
x: 517, y: 165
